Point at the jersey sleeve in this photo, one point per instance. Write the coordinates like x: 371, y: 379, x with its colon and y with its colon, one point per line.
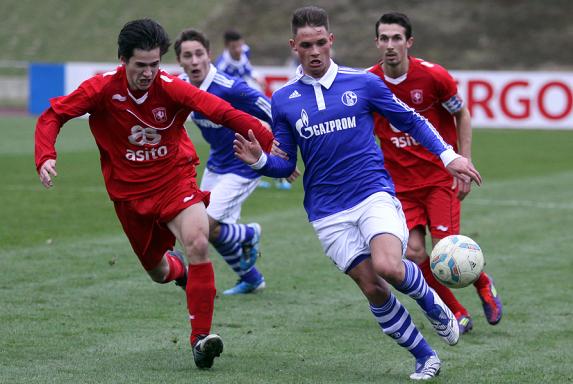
x: 276, y: 166
x: 447, y: 89
x: 251, y: 101
x: 81, y: 101
x: 401, y: 116
x: 217, y: 110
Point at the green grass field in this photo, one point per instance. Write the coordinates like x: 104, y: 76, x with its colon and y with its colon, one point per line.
x: 76, y: 307
x: 56, y: 30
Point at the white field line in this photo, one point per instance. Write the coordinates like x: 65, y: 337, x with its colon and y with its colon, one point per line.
x: 519, y: 203
x: 94, y: 244
x: 471, y: 201
x: 105, y: 241
x: 39, y: 188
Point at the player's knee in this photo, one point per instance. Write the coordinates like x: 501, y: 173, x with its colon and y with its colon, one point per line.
x: 390, y: 269
x: 196, y: 248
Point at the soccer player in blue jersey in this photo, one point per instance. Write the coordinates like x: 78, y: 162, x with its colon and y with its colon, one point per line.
x: 229, y: 180
x: 349, y: 197
x: 236, y: 61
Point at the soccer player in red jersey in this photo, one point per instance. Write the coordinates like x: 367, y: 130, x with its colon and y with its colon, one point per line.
x: 430, y: 196
x: 137, y: 115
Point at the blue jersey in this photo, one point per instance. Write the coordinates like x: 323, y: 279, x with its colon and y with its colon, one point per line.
x: 236, y: 68
x: 237, y: 93
x: 331, y: 122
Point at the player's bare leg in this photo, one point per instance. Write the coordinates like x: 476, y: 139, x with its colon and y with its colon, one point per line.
x: 394, y: 319
x: 407, y: 278
x: 171, y: 268
x: 191, y: 228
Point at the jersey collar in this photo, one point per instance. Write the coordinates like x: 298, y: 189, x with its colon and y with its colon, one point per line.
x: 396, y: 80
x: 209, y: 78
x: 326, y: 80
x: 137, y: 100
x: 206, y: 83
x: 399, y: 79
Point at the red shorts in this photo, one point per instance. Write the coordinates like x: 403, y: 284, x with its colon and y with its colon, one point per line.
x: 144, y: 220
x: 435, y: 207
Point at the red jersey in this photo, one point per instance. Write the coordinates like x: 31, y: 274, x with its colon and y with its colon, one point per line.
x: 142, y: 140
x: 432, y: 92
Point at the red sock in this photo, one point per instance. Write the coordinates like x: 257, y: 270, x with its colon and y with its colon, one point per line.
x: 482, y: 281
x: 200, y: 298
x: 176, y: 268
x: 444, y: 292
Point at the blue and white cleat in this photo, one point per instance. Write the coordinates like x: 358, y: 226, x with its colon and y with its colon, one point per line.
x: 443, y: 321
x: 251, y: 248
x: 264, y: 184
x: 283, y: 184
x: 427, y: 368
x: 243, y: 287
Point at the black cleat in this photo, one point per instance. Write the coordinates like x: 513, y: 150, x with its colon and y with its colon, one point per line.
x: 205, y: 350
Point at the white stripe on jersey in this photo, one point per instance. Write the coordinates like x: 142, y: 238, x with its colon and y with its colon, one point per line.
x: 350, y: 71
x: 434, y: 130
x: 223, y: 81
x: 289, y: 82
x: 264, y: 106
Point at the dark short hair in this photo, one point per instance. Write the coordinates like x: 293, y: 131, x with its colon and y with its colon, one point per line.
x: 231, y: 35
x: 190, y: 35
x: 309, y: 16
x: 145, y: 34
x: 395, y: 18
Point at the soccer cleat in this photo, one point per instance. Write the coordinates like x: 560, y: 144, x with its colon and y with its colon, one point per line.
x: 182, y: 281
x: 443, y: 321
x: 251, y: 248
x: 264, y: 184
x: 205, y: 350
x: 243, y: 287
x: 283, y: 185
x: 465, y: 322
x: 427, y: 367
x: 491, y: 302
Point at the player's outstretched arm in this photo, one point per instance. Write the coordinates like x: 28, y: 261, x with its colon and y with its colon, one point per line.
x: 464, y: 170
x: 248, y: 150
x: 47, y: 171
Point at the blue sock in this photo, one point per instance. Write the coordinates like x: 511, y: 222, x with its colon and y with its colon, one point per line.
x: 231, y: 233
x: 415, y: 286
x: 228, y: 244
x: 396, y: 322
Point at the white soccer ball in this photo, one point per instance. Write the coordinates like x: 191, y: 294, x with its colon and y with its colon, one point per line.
x: 457, y: 261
